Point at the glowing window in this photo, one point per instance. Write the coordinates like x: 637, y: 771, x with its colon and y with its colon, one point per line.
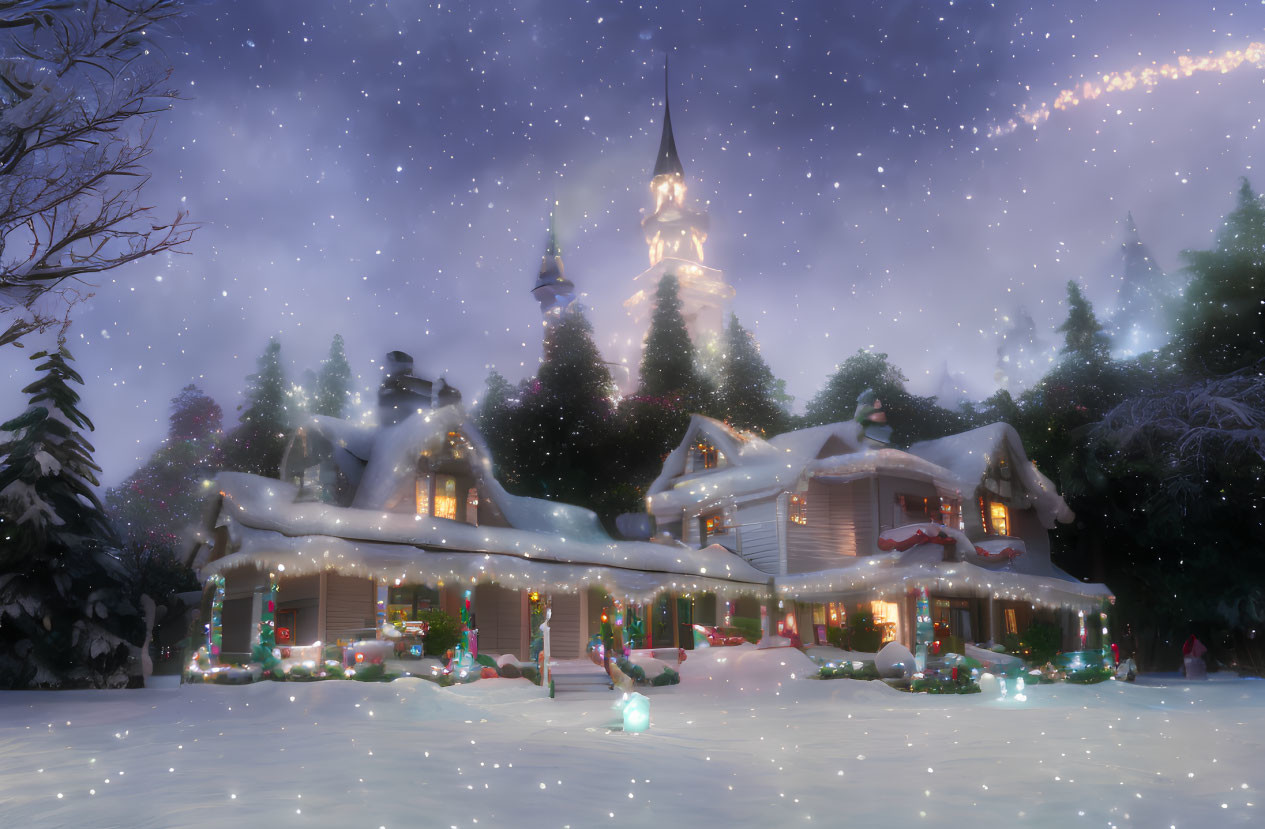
x: 1012, y: 622
x: 887, y: 618
x: 799, y: 508
x: 999, y: 518
x: 445, y: 497
x: 705, y: 456
x: 422, y: 494
x: 714, y: 525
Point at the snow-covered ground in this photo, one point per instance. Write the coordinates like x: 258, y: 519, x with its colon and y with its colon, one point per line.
x: 744, y: 740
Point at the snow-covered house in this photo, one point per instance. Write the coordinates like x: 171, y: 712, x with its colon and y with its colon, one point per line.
x: 841, y: 522
x: 370, y: 523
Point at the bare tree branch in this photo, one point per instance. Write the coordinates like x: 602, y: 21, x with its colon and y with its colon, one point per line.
x: 79, y: 86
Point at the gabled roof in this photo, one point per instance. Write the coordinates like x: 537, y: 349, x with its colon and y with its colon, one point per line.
x: 758, y: 467
x: 739, y: 448
x: 268, y: 528
x: 804, y: 445
x: 388, y: 459
x: 968, y: 455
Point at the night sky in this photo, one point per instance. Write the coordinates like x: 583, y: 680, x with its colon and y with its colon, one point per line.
x: 385, y: 171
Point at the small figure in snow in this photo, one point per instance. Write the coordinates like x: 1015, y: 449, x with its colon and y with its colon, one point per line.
x: 1127, y: 670
x: 869, y: 413
x: 1193, y: 658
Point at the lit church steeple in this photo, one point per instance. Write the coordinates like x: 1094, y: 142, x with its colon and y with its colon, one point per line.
x: 675, y: 234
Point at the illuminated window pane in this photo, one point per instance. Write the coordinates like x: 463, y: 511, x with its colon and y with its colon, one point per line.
x: 445, y: 497
x: 423, y: 495
x: 1012, y: 623
x: 887, y: 618
x: 998, y: 517
x: 799, y: 508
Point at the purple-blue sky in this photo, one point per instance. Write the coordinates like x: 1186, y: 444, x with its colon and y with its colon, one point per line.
x: 384, y: 171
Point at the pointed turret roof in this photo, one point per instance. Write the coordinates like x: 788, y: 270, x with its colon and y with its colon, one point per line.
x: 667, y: 162
x: 552, y: 288
x: 552, y: 249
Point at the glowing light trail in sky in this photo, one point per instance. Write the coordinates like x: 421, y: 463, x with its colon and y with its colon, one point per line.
x: 1252, y: 55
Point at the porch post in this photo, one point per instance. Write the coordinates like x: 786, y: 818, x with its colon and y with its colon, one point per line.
x: 322, y: 607
x: 256, y: 610
x: 676, y: 627
x: 994, y: 629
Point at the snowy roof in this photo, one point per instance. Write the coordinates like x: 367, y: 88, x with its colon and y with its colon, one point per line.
x: 758, y: 467
x: 389, y: 459
x: 739, y: 448
x: 1026, y: 578
x: 968, y: 455
x: 806, y: 444
x: 267, y: 528
x: 872, y: 461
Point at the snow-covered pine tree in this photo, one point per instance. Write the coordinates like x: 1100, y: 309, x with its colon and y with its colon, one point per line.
x: 333, y: 382
x: 257, y: 444
x: 65, y: 618
x: 748, y: 396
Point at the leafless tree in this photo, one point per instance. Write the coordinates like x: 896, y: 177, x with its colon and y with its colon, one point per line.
x: 80, y: 84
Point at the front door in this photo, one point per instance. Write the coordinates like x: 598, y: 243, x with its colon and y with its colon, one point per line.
x: 685, y: 623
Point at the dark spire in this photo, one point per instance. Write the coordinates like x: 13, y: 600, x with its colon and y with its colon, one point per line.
x: 552, y: 248
x: 667, y: 160
x: 552, y: 288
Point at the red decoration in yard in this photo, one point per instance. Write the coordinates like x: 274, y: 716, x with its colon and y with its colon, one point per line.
x: 488, y: 673
x: 919, y: 537
x: 272, y: 606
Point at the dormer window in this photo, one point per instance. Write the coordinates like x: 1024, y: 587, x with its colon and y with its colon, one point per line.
x: 445, y: 497
x: 437, y: 495
x: 704, y: 456
x: 999, y: 518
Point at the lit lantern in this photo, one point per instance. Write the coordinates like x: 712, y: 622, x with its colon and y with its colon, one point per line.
x: 636, y: 710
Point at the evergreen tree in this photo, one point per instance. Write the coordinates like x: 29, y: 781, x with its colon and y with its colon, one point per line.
x: 333, y: 384
x: 495, y: 419
x: 155, y: 508
x: 1221, y: 325
x: 911, y: 417
x: 671, y: 388
x: 563, y: 430
x: 257, y: 444
x: 668, y: 363
x: 747, y: 396
x: 1085, y: 341
x: 65, y: 618
x: 1138, y: 321
x: 1023, y: 355
x: 837, y: 400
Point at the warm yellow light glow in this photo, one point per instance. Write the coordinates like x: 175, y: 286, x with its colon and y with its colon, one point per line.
x: 999, y: 518
x: 887, y: 617
x: 422, y: 493
x: 445, y: 497
x: 1149, y: 76
x: 799, y: 508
